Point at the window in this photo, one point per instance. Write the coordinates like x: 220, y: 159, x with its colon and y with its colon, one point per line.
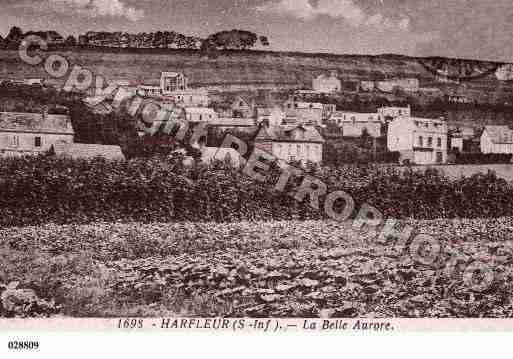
x: 37, y: 142
x: 439, y: 142
x: 421, y: 141
x: 15, y: 141
x: 430, y: 141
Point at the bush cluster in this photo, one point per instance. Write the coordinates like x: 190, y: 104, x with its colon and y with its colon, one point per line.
x: 482, y: 158
x: 45, y: 189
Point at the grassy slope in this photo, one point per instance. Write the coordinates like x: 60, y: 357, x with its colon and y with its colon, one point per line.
x: 270, y: 67
x: 250, y: 66
x: 256, y: 269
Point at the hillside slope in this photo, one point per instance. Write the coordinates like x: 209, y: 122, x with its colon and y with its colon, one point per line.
x: 256, y: 67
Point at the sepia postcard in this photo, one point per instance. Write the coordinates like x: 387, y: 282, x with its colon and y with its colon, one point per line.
x: 256, y: 166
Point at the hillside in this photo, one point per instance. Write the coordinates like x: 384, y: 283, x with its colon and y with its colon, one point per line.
x: 258, y: 67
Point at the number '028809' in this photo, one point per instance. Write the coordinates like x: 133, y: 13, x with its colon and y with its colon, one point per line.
x: 21, y: 345
x: 130, y: 323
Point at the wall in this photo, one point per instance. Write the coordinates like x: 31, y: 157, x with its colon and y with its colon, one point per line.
x: 487, y: 146
x: 301, y: 151
x: 400, y: 135
x: 26, y: 142
x: 350, y: 129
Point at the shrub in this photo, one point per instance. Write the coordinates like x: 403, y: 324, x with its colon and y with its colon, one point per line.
x: 482, y: 158
x: 37, y: 190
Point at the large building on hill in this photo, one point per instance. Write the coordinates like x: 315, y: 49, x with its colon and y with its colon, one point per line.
x: 33, y: 133
x: 291, y: 143
x: 497, y: 139
x: 327, y: 84
x: 174, y: 87
x: 421, y: 141
x: 173, y: 81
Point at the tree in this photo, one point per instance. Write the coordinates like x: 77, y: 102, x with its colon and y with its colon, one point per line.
x: 264, y: 40
x: 234, y: 39
x: 14, y: 37
x: 70, y: 41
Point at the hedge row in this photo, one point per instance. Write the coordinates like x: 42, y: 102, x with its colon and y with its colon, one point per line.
x: 44, y: 189
x: 482, y: 158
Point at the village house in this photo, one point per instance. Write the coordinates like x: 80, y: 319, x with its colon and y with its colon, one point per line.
x: 391, y: 113
x: 312, y: 113
x: 33, y: 133
x: 404, y: 84
x: 354, y: 124
x: 212, y: 154
x: 460, y: 138
x: 327, y: 84
x: 228, y: 123
x: 272, y: 116
x: 190, y: 98
x: 497, y: 139
x: 291, y: 143
x: 201, y: 114
x: 243, y: 107
x: 149, y: 91
x: 419, y: 141
x: 172, y: 114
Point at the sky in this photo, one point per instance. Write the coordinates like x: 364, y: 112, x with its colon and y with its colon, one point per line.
x: 473, y: 29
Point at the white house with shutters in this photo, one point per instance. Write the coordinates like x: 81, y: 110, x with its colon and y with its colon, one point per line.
x: 421, y: 141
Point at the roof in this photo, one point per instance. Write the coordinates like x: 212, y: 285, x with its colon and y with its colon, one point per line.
x: 200, y: 110
x: 87, y: 151
x: 232, y: 122
x: 246, y: 99
x: 34, y: 122
x: 209, y: 154
x: 307, y: 105
x: 289, y: 134
x: 499, y: 134
x: 368, y: 117
x: 173, y: 114
x: 171, y: 74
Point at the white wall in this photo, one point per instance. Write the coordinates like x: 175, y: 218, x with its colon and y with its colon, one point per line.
x: 487, y: 146
x: 300, y: 151
x: 400, y: 135
x: 22, y: 142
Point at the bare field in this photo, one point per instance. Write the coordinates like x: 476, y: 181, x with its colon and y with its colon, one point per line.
x: 272, y: 269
